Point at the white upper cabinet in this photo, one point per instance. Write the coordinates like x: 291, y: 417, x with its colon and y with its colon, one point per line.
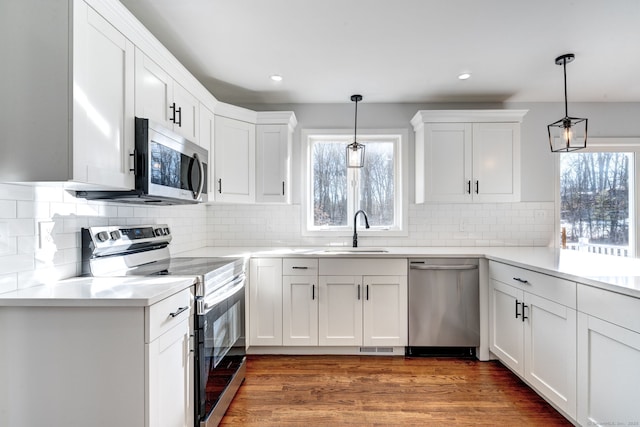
x: 163, y: 100
x: 274, y: 135
x: 235, y: 161
x: 467, y: 156
x: 71, y: 117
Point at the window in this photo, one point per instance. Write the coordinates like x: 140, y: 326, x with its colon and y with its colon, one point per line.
x: 597, y: 200
x: 336, y: 192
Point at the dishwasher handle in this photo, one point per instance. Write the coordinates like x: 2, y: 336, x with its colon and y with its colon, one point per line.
x: 442, y: 267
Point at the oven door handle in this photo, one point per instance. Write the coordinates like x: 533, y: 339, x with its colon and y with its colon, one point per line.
x: 206, y: 304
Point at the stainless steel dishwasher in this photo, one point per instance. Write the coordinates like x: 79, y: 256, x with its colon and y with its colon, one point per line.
x: 444, y: 306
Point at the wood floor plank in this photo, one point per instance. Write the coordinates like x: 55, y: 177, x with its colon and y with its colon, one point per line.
x: 384, y: 391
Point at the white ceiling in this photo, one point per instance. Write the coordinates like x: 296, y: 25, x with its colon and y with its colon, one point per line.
x: 402, y: 50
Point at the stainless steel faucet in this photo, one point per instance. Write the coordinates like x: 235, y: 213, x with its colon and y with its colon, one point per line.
x: 355, y: 225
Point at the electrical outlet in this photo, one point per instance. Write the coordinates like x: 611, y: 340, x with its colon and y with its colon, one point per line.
x: 46, y: 234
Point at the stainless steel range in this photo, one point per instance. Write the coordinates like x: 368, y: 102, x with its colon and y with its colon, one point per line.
x: 219, y: 324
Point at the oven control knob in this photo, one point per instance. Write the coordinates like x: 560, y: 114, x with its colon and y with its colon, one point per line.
x: 166, y: 231
x: 159, y: 232
x: 115, y: 235
x: 102, y: 236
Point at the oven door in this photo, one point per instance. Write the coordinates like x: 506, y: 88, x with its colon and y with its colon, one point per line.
x: 220, y: 356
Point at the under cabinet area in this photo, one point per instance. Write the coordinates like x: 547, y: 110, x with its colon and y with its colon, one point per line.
x: 467, y: 155
x: 346, y: 302
x: 533, y: 330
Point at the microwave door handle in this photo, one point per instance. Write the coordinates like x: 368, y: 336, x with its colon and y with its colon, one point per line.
x: 198, y: 192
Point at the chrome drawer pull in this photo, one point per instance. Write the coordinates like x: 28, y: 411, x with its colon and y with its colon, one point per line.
x: 178, y: 311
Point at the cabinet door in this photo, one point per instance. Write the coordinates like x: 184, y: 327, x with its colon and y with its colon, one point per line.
x: 608, y: 373
x: 103, y: 101
x: 273, y: 146
x: 235, y: 159
x: 496, y: 162
x: 340, y: 310
x: 187, y: 114
x: 447, y: 162
x: 385, y: 311
x: 550, y: 351
x: 265, y: 301
x: 154, y: 91
x: 505, y: 325
x: 300, y: 310
x: 170, y: 378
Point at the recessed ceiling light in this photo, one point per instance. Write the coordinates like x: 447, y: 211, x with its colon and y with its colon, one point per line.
x: 464, y: 76
x: 276, y: 77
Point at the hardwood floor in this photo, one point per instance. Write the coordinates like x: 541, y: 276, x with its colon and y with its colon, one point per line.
x: 384, y: 391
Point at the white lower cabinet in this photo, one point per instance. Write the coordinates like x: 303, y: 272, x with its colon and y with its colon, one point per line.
x: 535, y: 336
x: 265, y: 301
x: 365, y: 309
x: 608, y: 358
x: 300, y: 302
x: 104, y: 366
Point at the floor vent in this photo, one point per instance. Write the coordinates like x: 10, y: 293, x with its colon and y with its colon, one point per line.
x: 376, y: 349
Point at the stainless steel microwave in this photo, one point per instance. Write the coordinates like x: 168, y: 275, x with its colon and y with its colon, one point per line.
x: 168, y: 168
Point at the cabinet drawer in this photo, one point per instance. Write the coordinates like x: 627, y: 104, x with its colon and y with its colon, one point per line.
x: 166, y: 314
x: 363, y: 266
x: 612, y: 307
x: 553, y: 288
x: 299, y: 266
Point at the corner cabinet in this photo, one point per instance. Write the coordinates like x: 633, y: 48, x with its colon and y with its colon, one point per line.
x: 467, y: 155
x: 71, y: 117
x: 235, y: 160
x: 608, y: 357
x: 274, y: 135
x: 363, y: 302
x: 533, y: 330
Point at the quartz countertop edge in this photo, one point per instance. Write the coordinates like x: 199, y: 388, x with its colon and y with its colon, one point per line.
x: 608, y: 272
x: 98, y: 292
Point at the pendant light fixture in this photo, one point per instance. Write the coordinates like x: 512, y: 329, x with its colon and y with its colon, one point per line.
x: 355, y: 150
x: 568, y: 133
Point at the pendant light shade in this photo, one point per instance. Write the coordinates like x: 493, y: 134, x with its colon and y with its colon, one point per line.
x: 355, y: 150
x: 568, y: 133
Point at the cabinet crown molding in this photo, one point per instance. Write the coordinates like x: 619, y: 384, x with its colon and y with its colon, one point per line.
x: 467, y: 116
x: 236, y: 113
x: 277, y: 118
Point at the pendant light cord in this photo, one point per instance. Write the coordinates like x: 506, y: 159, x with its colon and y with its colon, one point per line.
x: 355, y: 130
x: 566, y: 109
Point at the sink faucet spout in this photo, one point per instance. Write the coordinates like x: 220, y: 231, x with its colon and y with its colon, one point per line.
x: 355, y: 226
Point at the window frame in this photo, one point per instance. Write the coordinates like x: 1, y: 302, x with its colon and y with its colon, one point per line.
x: 401, y: 202
x: 612, y: 144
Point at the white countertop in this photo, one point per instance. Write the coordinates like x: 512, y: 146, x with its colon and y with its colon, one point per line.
x: 617, y: 274
x: 98, y: 292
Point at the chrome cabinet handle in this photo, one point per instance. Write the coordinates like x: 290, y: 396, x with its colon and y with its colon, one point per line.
x: 517, y: 279
x: 197, y: 193
x: 178, y: 311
